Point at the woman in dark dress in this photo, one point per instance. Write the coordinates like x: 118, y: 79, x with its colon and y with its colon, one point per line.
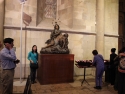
x: 112, y: 66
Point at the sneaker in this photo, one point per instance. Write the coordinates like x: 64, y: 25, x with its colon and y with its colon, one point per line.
x: 32, y: 82
x: 98, y: 87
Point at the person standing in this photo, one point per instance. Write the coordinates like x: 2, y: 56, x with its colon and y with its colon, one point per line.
x: 112, y: 66
x: 8, y: 58
x: 33, y: 58
x: 0, y: 47
x: 121, y: 74
x: 98, y: 62
x: 0, y: 44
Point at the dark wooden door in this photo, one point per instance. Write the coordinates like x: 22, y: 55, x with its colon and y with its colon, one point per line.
x: 121, y: 38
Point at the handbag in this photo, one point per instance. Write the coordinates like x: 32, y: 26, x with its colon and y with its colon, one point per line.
x: 34, y: 65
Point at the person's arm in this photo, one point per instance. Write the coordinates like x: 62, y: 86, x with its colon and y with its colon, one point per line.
x: 122, y: 54
x: 111, y: 59
x: 29, y: 57
x: 37, y: 57
x: 10, y: 56
x: 94, y: 61
x: 0, y: 44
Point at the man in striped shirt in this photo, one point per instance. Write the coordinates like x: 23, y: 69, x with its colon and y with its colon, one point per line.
x: 8, y: 58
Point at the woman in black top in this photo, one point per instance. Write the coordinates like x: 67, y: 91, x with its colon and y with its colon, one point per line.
x: 112, y: 66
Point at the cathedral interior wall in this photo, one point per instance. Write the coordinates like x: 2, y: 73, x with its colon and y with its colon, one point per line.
x: 77, y: 18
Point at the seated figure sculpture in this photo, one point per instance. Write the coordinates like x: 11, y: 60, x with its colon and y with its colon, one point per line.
x: 57, y: 44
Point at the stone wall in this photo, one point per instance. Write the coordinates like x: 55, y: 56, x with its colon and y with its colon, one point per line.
x: 111, y: 26
x: 2, y: 8
x: 40, y: 10
x: 13, y: 12
x: 81, y: 27
x: 65, y: 11
x: 84, y: 13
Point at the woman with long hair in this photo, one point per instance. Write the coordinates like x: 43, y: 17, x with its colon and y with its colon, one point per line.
x: 33, y: 58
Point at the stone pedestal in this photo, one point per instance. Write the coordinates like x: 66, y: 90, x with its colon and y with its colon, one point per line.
x: 55, y: 68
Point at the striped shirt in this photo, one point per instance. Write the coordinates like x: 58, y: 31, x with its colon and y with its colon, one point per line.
x: 7, y: 58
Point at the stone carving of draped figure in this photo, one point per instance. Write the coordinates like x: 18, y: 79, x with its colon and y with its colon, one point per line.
x: 57, y: 44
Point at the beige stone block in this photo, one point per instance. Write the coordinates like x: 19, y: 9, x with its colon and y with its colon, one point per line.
x: 69, y: 2
x: 79, y: 3
x: 65, y: 22
x: 10, y: 6
x: 28, y: 33
x: 32, y: 3
x: 111, y: 16
x: 63, y: 17
x: 62, y: 12
x: 88, y: 28
x: 34, y: 34
x: 33, y: 23
x: 70, y: 22
x: 78, y: 22
x: 26, y: 9
x: 93, y: 28
x: 7, y: 33
x: 77, y: 45
x: 70, y: 10
x: 8, y: 21
x: 77, y: 15
x: 36, y: 42
x: 75, y: 37
x: 17, y: 72
x: 17, y: 42
x: 17, y: 33
x: 61, y: 7
x: 78, y: 71
x: 12, y: 14
x: 28, y: 43
x: 79, y: 27
x: 32, y: 10
x: 16, y: 22
x: 78, y: 9
x: 78, y: 53
x: 17, y: 7
x: 18, y: 52
x: 25, y: 71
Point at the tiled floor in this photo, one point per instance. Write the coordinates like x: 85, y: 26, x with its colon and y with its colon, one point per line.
x: 67, y: 88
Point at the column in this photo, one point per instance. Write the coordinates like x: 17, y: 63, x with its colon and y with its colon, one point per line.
x: 2, y: 5
x: 100, y: 26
